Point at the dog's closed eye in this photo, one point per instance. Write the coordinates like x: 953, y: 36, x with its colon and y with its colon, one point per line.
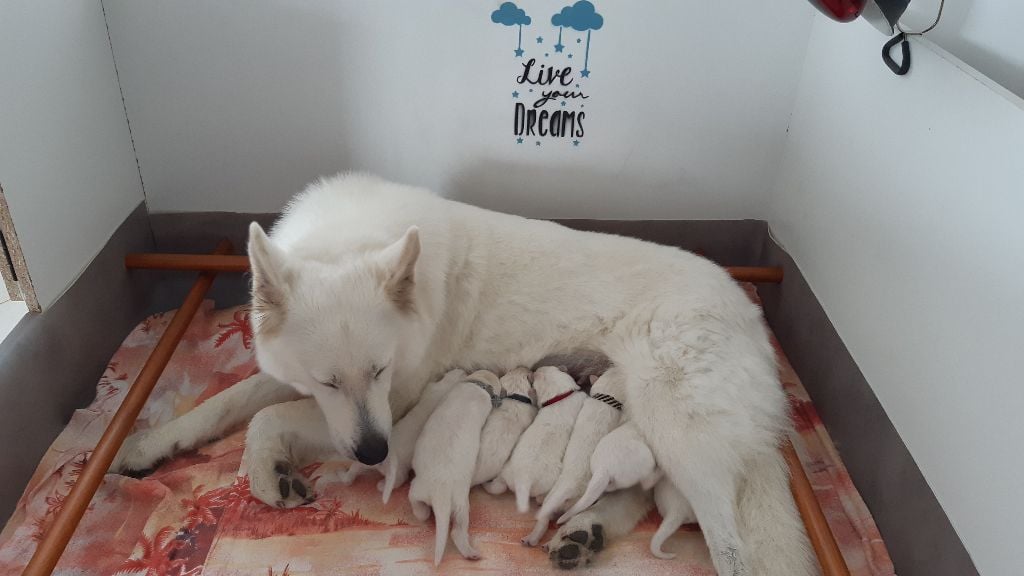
x: 378, y: 371
x: 332, y: 383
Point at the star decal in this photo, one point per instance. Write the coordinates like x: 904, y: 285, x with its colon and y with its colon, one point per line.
x: 578, y: 40
x: 540, y: 39
x: 538, y: 142
x: 519, y: 140
x: 585, y: 73
x: 570, y: 55
x: 563, y: 102
x: 515, y: 94
x: 559, y: 47
x: 519, y: 52
x: 575, y: 142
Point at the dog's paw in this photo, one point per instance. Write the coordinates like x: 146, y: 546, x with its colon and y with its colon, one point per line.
x: 280, y: 485
x: 139, y: 455
x: 574, y: 546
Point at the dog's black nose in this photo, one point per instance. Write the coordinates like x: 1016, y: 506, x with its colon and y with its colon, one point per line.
x: 372, y: 449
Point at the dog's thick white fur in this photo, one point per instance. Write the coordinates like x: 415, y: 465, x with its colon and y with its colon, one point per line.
x: 675, y: 511
x: 595, y: 420
x: 504, y: 426
x: 368, y: 290
x: 444, y: 460
x: 536, y: 461
x: 397, y: 465
x: 620, y: 460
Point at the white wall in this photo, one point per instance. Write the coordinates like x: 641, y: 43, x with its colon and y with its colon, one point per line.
x: 901, y: 201
x: 983, y: 33
x: 236, y: 105
x: 66, y: 161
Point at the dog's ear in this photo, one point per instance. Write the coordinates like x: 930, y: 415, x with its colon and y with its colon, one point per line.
x: 270, y: 278
x: 593, y: 379
x: 399, y: 261
x: 529, y: 377
x: 563, y: 368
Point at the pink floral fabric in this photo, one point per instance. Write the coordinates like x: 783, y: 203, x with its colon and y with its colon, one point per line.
x: 195, y: 515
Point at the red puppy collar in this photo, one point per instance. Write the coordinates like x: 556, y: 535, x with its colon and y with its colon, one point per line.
x: 557, y: 398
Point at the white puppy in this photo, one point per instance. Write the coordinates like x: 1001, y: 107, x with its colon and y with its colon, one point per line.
x: 675, y: 511
x: 601, y: 413
x: 396, y: 466
x: 505, y: 424
x: 621, y: 459
x: 537, y: 458
x: 444, y: 460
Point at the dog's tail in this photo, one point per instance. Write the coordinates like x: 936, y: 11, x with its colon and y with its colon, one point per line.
x: 598, y: 483
x: 442, y: 520
x: 523, y: 495
x: 769, y: 522
x: 667, y: 528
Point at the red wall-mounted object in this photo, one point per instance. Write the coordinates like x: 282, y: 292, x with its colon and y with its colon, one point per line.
x: 841, y: 10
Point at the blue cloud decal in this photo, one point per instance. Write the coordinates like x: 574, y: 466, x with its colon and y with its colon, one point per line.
x: 509, y: 14
x: 580, y: 16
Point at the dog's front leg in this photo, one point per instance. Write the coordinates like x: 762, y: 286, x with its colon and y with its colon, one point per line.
x: 281, y: 439
x: 577, y: 541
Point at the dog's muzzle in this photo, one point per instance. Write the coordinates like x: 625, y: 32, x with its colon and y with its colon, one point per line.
x: 372, y: 449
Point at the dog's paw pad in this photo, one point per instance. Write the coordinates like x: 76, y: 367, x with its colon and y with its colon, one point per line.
x: 577, y: 548
x: 291, y: 488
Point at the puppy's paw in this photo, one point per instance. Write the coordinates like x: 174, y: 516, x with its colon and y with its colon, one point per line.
x: 139, y: 455
x: 575, y: 545
x: 279, y: 484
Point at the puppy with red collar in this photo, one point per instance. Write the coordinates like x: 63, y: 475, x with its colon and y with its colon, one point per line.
x: 537, y: 459
x: 601, y: 413
x: 505, y: 424
x: 622, y: 459
x: 445, y: 457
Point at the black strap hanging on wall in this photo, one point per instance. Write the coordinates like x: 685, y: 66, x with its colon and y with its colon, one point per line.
x: 902, y: 39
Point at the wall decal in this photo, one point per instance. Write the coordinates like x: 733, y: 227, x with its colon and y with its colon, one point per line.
x: 548, y: 99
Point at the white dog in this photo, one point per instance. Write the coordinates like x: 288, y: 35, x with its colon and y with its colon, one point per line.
x: 505, y: 425
x: 620, y: 460
x: 444, y: 459
x: 675, y: 511
x: 537, y: 458
x: 404, y: 435
x: 368, y: 290
x: 601, y: 413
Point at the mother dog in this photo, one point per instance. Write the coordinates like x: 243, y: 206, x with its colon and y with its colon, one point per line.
x: 367, y: 290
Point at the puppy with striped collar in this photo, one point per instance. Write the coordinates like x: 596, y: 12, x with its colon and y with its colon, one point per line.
x: 537, y: 459
x: 445, y: 457
x: 505, y: 424
x: 601, y: 413
x: 622, y: 459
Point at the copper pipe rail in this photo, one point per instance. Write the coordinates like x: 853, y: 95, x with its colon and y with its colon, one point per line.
x: 768, y: 274
x: 820, y: 535
x: 56, y: 539
x: 49, y: 551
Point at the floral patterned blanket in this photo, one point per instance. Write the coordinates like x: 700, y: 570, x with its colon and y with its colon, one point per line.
x: 195, y: 515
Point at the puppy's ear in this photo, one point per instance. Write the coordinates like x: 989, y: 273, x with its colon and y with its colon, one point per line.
x: 593, y: 379
x: 399, y: 261
x: 529, y: 377
x: 563, y: 368
x: 270, y: 278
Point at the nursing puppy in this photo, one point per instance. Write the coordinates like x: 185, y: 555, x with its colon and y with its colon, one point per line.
x: 505, y: 424
x: 537, y: 459
x: 675, y: 511
x: 601, y: 413
x: 621, y: 459
x: 444, y: 459
x: 396, y: 466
